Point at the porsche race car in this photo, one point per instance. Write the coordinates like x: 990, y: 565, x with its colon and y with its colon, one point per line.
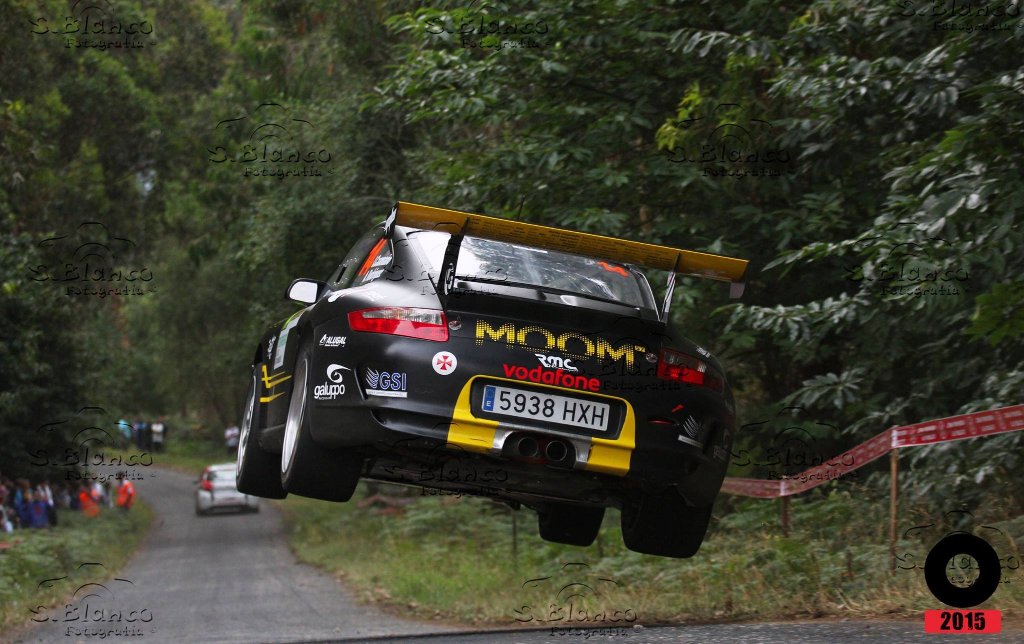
x: 480, y: 355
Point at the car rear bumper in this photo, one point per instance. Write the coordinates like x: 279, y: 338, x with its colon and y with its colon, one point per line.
x: 485, y: 435
x: 386, y: 425
x: 209, y: 501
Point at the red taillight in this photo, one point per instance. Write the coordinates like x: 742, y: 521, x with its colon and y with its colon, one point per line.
x: 425, y: 324
x: 206, y: 485
x: 685, y: 368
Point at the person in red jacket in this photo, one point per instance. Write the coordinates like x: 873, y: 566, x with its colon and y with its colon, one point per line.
x: 85, y: 501
x: 125, y: 493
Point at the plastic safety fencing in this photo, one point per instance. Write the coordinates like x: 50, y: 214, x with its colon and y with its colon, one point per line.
x: 982, y: 423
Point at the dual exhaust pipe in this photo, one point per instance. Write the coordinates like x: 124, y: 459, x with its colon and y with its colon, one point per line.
x: 555, y: 451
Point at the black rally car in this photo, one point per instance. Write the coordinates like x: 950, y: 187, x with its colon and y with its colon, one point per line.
x: 471, y: 354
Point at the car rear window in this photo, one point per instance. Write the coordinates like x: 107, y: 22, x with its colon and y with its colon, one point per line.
x: 502, y: 261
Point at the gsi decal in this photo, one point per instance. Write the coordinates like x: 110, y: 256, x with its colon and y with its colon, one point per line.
x: 573, y: 343
x: 390, y: 384
x: 334, y: 387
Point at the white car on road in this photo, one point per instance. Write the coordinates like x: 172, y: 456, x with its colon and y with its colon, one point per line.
x: 216, y: 489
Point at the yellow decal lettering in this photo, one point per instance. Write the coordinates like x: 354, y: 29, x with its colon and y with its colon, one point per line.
x: 505, y: 331
x: 606, y: 351
x: 588, y: 345
x: 549, y: 338
x: 583, y: 348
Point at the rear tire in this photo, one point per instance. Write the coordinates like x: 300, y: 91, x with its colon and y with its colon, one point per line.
x: 306, y: 468
x: 569, y: 524
x: 662, y: 524
x: 256, y: 470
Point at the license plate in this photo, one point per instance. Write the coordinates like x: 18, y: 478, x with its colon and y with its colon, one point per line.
x: 547, y: 407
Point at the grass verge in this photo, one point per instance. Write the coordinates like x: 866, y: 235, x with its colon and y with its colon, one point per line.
x: 186, y: 456
x: 477, y: 562
x: 40, y: 555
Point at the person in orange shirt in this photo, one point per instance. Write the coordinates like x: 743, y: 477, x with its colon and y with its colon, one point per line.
x: 125, y: 493
x: 89, y: 507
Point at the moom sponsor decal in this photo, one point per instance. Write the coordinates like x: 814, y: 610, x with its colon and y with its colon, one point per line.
x: 572, y: 343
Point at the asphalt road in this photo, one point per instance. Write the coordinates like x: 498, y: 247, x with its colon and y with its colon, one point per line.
x: 231, y: 578
x: 218, y: 578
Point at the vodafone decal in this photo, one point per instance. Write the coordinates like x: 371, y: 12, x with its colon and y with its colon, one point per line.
x: 556, y: 377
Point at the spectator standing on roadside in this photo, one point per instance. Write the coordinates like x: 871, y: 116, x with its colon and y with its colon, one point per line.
x: 125, y: 493
x: 5, y: 496
x: 28, y: 501
x: 137, y: 433
x: 126, y: 430
x: 86, y: 502
x: 231, y: 438
x: 97, y: 493
x: 45, y: 493
x: 147, y: 436
x: 61, y: 497
x: 23, y: 503
x: 159, y: 432
x: 10, y: 488
x: 110, y: 489
x: 38, y: 509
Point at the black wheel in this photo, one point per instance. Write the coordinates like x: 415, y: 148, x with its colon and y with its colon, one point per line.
x: 569, y: 524
x: 662, y: 524
x: 256, y: 470
x: 308, y: 469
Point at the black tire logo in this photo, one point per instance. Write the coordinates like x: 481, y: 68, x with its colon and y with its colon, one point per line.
x: 962, y: 543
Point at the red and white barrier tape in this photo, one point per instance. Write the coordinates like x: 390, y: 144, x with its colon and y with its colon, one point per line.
x: 982, y: 423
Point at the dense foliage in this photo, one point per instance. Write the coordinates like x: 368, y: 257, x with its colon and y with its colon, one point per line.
x: 865, y: 160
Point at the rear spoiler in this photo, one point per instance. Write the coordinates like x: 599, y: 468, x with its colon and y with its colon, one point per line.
x: 460, y: 224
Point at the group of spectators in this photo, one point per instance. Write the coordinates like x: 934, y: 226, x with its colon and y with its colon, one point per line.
x: 147, y: 436
x: 23, y: 505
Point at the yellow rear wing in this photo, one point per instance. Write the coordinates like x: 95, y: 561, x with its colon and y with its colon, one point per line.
x: 676, y: 260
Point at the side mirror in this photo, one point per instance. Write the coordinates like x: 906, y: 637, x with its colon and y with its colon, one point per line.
x: 305, y: 291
